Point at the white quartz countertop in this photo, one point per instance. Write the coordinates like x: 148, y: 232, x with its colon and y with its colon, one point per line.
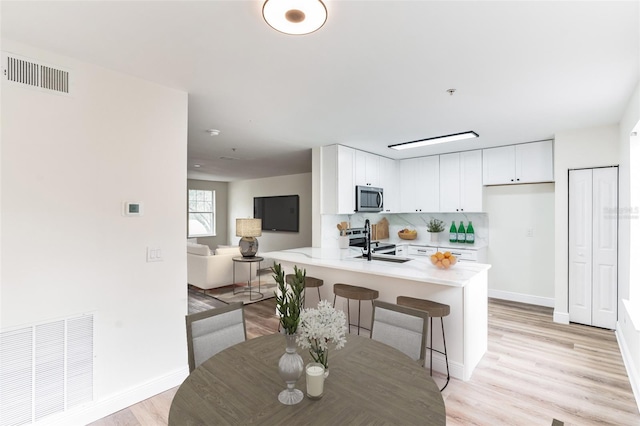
x: 415, y: 269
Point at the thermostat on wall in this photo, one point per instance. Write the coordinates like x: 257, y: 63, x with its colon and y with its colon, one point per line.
x: 132, y: 209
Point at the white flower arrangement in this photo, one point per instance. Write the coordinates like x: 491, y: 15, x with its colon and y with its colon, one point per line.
x: 320, y: 327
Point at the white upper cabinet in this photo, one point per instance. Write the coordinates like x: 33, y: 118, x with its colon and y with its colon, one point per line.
x: 420, y: 184
x: 367, y: 169
x: 534, y: 162
x: 524, y: 163
x: 461, y: 182
x: 344, y: 168
x: 338, y: 187
x: 389, y: 181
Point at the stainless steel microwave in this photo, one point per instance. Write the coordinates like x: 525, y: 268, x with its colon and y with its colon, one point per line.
x: 369, y: 199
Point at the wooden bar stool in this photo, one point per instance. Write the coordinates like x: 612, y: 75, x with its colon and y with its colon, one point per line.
x: 436, y: 310
x: 308, y: 282
x: 356, y: 293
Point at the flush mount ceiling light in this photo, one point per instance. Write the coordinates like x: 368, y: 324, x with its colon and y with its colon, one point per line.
x: 213, y: 132
x: 295, y: 17
x: 432, y: 141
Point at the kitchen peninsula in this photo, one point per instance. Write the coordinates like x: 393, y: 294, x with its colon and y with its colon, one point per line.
x: 463, y: 287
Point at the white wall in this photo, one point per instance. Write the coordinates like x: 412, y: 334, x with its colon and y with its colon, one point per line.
x: 628, y: 327
x: 629, y: 274
x: 582, y: 148
x: 241, y: 195
x: 522, y: 267
x: 68, y: 163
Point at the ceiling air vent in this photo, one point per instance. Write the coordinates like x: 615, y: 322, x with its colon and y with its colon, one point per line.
x: 35, y: 75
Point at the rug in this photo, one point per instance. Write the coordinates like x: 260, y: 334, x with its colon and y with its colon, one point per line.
x: 225, y: 294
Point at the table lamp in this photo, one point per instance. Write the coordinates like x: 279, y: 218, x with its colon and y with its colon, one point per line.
x: 248, y: 229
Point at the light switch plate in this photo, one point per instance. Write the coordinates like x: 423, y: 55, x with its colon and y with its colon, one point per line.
x: 154, y: 254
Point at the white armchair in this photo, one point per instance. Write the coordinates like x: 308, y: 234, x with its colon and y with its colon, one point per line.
x: 206, y: 270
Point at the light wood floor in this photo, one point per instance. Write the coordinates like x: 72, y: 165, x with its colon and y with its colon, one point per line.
x: 534, y: 371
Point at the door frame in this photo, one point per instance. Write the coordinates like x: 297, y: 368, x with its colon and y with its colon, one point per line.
x: 617, y: 296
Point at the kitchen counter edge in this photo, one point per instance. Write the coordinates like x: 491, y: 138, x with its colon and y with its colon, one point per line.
x: 417, y: 269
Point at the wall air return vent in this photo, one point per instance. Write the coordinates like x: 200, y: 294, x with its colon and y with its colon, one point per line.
x: 45, y: 369
x: 33, y: 74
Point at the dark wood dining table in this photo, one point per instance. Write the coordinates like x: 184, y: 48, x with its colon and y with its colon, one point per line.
x: 369, y: 383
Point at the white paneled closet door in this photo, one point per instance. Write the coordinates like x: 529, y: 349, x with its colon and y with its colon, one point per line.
x: 580, y: 244
x: 593, y: 246
x: 605, y: 247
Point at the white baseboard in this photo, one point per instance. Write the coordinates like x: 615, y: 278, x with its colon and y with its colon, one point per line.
x: 456, y: 369
x: 561, y: 317
x: 628, y: 336
x: 549, y: 302
x: 104, y: 407
x: 627, y: 357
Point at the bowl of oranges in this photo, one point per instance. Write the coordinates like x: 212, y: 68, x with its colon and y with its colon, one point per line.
x: 443, y: 260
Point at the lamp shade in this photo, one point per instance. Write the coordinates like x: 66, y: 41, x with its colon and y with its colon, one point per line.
x: 295, y: 16
x: 248, y: 227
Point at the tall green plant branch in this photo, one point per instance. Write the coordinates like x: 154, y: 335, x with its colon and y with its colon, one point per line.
x: 290, y: 297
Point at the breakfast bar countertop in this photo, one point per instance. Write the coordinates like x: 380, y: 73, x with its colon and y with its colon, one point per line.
x: 416, y: 269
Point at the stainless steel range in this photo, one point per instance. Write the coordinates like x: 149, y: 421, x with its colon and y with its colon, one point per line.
x: 358, y: 238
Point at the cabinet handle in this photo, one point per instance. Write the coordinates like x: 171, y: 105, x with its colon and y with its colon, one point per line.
x: 511, y: 180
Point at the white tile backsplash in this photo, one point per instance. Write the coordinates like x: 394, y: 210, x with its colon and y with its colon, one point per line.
x: 398, y: 221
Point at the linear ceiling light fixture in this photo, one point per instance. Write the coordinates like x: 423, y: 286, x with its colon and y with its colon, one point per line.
x: 295, y: 17
x: 433, y: 141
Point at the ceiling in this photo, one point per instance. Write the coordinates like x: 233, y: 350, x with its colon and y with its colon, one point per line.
x: 376, y: 74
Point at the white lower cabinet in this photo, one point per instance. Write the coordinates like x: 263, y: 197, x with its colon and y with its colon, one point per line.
x: 421, y: 250
x: 461, y: 254
x: 593, y: 246
x: 467, y: 255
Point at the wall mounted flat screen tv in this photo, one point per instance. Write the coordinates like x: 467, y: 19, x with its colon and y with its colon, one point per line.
x: 278, y: 213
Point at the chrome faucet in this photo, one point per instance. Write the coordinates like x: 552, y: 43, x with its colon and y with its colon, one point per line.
x: 367, y: 244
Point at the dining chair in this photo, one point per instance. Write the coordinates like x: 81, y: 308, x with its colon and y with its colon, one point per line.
x: 211, y: 331
x: 401, y: 327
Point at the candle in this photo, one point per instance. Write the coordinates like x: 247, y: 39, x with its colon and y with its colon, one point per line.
x: 315, y: 380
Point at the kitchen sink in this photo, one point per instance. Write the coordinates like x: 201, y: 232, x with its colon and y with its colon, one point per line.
x: 389, y: 258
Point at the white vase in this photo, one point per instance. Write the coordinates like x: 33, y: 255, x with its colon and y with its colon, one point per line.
x: 435, y: 237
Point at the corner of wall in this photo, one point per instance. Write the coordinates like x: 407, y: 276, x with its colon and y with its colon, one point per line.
x: 560, y: 317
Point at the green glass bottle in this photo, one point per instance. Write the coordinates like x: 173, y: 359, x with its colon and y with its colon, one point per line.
x: 461, y: 234
x: 471, y: 235
x: 453, y: 233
